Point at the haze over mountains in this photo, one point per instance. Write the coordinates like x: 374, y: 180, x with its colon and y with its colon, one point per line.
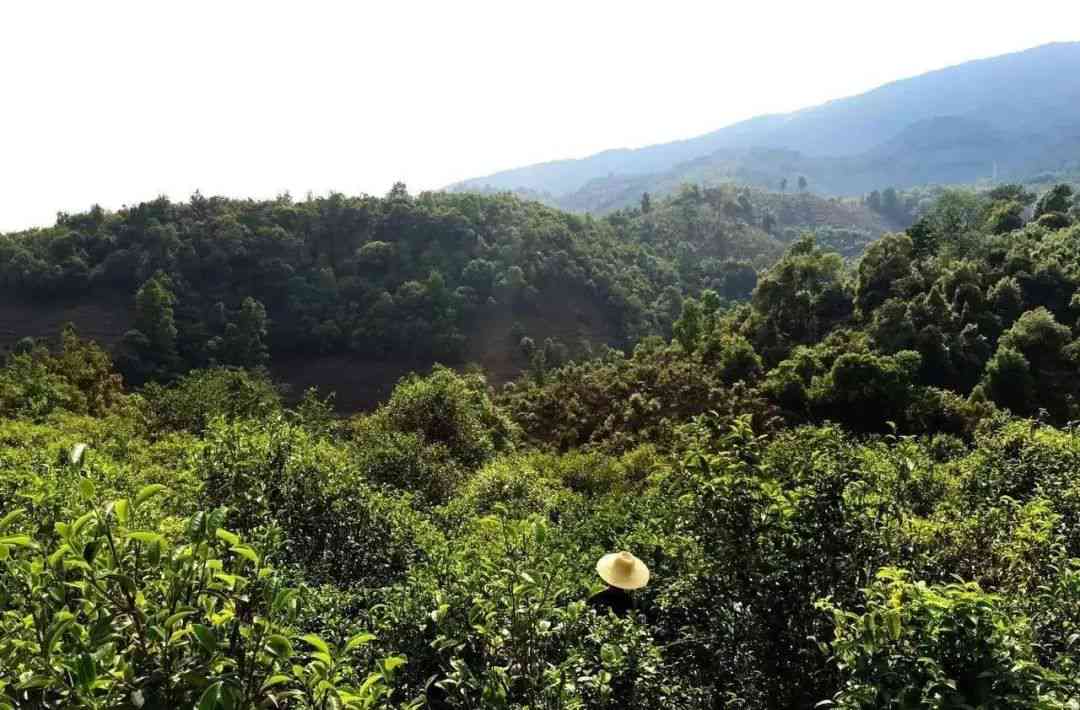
x: 1010, y: 117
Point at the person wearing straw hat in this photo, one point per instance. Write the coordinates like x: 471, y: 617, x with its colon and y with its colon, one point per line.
x: 623, y: 573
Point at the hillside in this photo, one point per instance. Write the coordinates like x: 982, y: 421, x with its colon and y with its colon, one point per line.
x: 857, y: 490
x: 794, y: 210
x: 1013, y: 115
x: 350, y: 293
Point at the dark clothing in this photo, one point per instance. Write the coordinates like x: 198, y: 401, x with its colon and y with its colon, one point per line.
x: 618, y: 601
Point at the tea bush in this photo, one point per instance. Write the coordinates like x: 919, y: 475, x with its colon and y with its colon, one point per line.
x: 115, y: 614
x: 160, y: 553
x: 952, y: 646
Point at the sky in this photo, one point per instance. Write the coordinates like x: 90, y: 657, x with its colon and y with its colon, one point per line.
x: 114, y: 102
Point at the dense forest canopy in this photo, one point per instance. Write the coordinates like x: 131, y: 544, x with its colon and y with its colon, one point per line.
x: 854, y: 480
x: 218, y: 281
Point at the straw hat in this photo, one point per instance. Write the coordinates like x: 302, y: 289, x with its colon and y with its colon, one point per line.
x: 623, y: 570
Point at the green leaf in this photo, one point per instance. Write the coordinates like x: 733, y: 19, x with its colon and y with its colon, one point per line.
x: 36, y: 681
x: 85, y: 671
x: 121, y: 507
x: 206, y: 638
x: 55, y: 633
x: 58, y: 554
x: 211, y: 697
x: 279, y: 646
x: 316, y: 642
x: 246, y: 552
x: 11, y: 517
x: 283, y: 598
x: 146, y: 536
x: 216, y: 518
x: 175, y: 618
x: 893, y: 622
x: 76, y: 563
x: 86, y: 488
x: 275, y: 680
x: 359, y: 640
x: 79, y: 524
x: 373, y: 679
x: 18, y: 541
x: 230, y: 537
x: 230, y: 580
x: 148, y: 492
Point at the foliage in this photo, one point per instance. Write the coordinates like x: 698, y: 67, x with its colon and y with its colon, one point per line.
x: 201, y: 396
x: 952, y: 646
x: 450, y: 410
x: 232, y: 282
x: 617, y: 402
x: 829, y: 484
x: 152, y: 344
x: 306, y: 498
x: 113, y: 614
x: 79, y: 378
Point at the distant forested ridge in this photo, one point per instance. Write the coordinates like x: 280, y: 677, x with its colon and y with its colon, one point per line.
x: 1011, y: 117
x: 408, y: 280
x: 975, y: 307
x: 430, y: 278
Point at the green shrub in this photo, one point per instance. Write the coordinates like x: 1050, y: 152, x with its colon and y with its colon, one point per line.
x: 114, y: 614
x: 519, y: 485
x: 864, y: 391
x: 511, y: 630
x: 40, y: 476
x: 304, y: 496
x: 403, y: 460
x: 733, y: 356
x: 452, y: 410
x: 953, y: 646
x: 203, y: 395
x: 78, y: 378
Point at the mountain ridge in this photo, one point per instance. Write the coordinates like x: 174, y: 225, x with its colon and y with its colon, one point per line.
x: 1027, y: 97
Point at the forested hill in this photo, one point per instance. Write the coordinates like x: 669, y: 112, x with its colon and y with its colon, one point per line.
x: 858, y: 490
x: 349, y: 293
x: 1013, y: 116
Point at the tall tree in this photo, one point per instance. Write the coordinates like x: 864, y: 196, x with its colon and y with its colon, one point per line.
x: 873, y: 201
x: 881, y: 269
x: 155, y: 321
x: 890, y: 202
x: 687, y: 329
x: 1056, y: 201
x: 245, y: 339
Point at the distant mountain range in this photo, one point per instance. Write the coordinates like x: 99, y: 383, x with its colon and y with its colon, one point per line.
x: 1010, y: 117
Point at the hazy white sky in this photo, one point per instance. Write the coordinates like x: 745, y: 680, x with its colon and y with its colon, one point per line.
x: 117, y: 102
